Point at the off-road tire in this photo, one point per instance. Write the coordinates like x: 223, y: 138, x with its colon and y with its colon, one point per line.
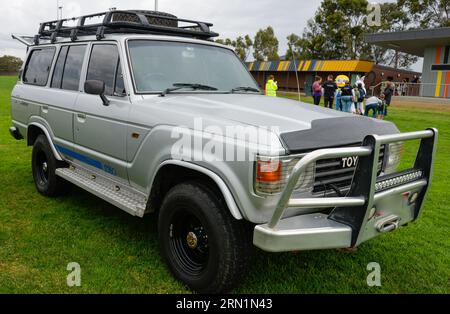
x: 229, y: 241
x: 44, y: 165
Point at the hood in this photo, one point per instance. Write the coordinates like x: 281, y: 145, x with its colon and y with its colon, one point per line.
x: 299, y: 126
x: 248, y: 109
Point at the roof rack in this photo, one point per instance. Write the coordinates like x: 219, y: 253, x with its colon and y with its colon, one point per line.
x: 128, y: 21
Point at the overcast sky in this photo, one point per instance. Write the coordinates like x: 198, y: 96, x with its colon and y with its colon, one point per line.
x: 231, y: 18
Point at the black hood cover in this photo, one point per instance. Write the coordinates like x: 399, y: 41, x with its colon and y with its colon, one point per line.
x: 335, y: 132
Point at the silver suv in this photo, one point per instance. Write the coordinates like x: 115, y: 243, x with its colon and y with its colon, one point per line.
x: 143, y: 110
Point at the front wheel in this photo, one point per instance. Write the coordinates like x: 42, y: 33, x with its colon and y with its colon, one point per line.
x: 203, y: 245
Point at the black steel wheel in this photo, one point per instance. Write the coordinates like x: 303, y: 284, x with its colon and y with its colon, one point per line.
x: 189, y: 242
x: 44, y: 165
x: 203, y: 245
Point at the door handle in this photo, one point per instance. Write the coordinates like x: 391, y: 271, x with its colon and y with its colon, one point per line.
x: 44, y: 109
x: 23, y: 103
x: 81, y: 117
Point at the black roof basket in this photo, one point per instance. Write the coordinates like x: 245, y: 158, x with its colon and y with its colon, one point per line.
x: 129, y: 21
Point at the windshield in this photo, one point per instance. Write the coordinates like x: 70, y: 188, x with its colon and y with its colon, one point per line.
x: 158, y: 65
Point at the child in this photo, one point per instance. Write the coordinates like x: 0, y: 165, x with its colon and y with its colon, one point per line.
x: 355, y: 100
x: 360, y: 101
x: 382, y: 109
x: 388, y: 93
x: 374, y: 103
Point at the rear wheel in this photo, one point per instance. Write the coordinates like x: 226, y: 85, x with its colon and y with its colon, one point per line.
x: 203, y: 245
x: 44, y: 165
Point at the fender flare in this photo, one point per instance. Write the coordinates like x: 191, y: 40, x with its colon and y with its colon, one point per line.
x: 228, y: 197
x: 49, y: 138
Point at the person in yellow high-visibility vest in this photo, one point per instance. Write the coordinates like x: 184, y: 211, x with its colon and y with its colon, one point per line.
x: 271, y: 87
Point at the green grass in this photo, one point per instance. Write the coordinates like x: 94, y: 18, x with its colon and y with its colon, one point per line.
x: 119, y: 253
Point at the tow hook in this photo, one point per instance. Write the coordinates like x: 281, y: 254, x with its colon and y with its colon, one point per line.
x: 388, y: 224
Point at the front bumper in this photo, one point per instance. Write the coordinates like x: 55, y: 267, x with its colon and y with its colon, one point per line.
x: 374, y: 205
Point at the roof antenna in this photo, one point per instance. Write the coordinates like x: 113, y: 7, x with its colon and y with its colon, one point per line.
x: 296, y: 72
x: 59, y: 10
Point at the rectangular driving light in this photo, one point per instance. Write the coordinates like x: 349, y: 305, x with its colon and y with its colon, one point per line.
x: 401, y: 179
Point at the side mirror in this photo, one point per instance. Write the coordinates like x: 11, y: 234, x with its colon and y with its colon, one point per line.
x: 95, y: 87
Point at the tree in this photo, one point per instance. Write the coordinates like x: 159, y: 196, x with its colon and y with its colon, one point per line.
x: 242, y: 45
x: 10, y: 64
x: 295, y: 47
x: 226, y: 42
x: 427, y: 13
x: 266, y: 45
x: 338, y: 28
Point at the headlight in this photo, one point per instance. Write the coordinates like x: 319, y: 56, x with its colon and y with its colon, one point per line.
x: 394, y: 154
x: 272, y: 175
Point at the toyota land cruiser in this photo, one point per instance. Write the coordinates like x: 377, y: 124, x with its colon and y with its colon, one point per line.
x: 135, y: 108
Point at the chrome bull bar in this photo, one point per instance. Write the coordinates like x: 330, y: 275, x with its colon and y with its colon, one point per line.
x: 353, y: 210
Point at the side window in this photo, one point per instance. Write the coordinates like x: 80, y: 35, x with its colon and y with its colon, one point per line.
x: 38, y: 66
x: 104, y: 65
x: 72, y: 68
x: 59, y: 68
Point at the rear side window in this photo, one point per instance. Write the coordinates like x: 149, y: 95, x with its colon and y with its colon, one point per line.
x: 104, y: 65
x: 38, y: 66
x: 72, y: 68
x: 59, y: 67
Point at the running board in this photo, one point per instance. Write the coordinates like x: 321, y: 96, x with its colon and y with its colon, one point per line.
x: 124, y: 197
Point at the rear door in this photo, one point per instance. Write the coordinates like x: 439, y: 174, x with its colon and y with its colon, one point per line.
x: 100, y: 131
x: 29, y: 95
x: 62, y: 94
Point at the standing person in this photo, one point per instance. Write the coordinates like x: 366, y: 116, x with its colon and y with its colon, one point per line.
x: 347, y: 97
x: 329, y: 90
x: 404, y: 88
x: 359, y: 103
x: 317, y: 90
x: 382, y: 107
x: 338, y: 100
x: 354, y: 108
x: 340, y: 82
x: 388, y: 92
x: 271, y: 87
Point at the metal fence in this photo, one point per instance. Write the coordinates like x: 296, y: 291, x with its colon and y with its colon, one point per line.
x: 414, y: 89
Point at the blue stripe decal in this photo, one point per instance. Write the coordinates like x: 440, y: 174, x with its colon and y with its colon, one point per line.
x: 82, y: 158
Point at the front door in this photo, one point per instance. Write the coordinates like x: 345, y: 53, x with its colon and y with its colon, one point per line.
x: 99, y: 130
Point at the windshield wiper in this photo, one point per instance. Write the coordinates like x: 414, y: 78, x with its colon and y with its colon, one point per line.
x: 245, y: 89
x: 194, y: 86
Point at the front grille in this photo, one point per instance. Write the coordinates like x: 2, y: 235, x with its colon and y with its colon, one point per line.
x: 330, y: 175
